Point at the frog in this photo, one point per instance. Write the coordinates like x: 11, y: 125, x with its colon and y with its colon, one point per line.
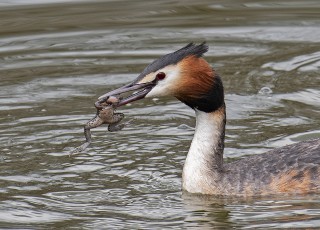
x: 105, y: 115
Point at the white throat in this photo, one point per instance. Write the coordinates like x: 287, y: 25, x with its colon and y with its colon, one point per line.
x: 205, y: 157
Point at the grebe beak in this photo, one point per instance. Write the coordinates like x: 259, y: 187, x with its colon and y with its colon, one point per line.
x: 141, y: 90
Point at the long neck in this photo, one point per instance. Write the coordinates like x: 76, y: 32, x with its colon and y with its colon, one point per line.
x: 204, y: 161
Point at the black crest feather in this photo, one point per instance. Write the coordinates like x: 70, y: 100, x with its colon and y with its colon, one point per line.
x: 174, y: 58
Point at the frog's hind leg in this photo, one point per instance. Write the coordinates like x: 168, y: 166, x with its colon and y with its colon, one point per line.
x: 79, y: 148
x: 117, y: 117
x: 94, y: 122
x: 114, y: 124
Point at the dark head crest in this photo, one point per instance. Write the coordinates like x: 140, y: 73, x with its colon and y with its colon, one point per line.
x: 173, y: 58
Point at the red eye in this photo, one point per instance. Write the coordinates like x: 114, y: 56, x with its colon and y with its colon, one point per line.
x: 161, y: 75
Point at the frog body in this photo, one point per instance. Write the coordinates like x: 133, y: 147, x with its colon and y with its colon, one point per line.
x: 105, y: 115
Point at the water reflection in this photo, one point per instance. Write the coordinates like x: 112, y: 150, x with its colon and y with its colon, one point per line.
x: 250, y: 213
x: 307, y: 62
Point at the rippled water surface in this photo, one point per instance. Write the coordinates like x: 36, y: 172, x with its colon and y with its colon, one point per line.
x: 57, y: 57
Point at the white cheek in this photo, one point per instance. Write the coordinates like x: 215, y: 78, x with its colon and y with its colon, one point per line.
x: 166, y: 86
x: 158, y: 91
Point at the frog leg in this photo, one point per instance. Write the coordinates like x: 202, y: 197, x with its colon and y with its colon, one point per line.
x: 116, y: 117
x: 94, y: 122
x: 114, y: 124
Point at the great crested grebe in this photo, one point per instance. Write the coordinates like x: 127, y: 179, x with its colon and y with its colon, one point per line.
x: 184, y: 74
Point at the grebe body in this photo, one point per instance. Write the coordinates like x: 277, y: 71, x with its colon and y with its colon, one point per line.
x: 185, y: 75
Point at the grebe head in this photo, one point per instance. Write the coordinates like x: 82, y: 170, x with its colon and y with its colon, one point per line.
x: 183, y: 74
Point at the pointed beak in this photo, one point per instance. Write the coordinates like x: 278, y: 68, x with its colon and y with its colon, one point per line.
x: 139, y: 91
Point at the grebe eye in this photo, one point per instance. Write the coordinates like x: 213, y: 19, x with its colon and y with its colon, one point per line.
x: 161, y: 75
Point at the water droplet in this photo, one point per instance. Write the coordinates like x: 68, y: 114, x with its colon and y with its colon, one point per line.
x: 184, y: 126
x: 265, y: 91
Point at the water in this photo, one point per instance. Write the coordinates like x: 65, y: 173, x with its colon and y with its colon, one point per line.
x: 57, y: 57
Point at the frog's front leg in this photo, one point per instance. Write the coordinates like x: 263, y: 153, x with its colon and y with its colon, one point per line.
x: 114, y: 122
